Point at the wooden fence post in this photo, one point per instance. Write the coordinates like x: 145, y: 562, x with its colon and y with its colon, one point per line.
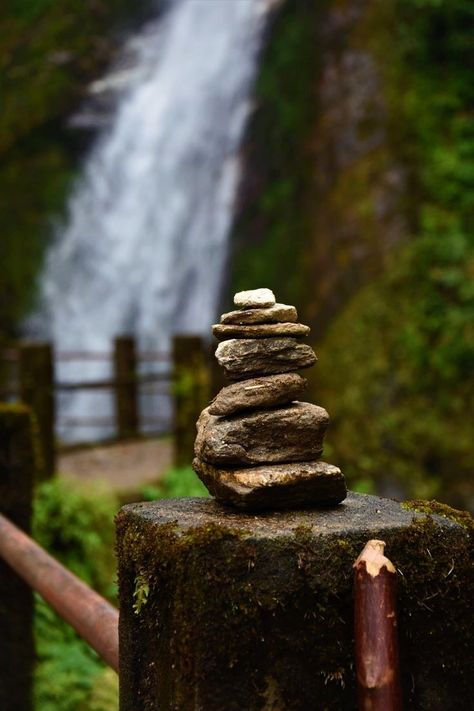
x: 17, y: 468
x: 36, y: 372
x: 126, y: 395
x: 191, y: 389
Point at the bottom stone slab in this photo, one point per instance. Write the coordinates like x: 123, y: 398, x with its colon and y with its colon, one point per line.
x: 226, y: 611
x: 274, y: 486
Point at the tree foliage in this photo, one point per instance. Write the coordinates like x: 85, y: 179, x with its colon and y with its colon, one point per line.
x: 397, y: 366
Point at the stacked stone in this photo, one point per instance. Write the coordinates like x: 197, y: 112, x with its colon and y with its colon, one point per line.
x: 257, y: 446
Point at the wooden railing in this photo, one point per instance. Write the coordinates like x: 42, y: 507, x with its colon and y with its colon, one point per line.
x: 29, y: 377
x: 93, y: 618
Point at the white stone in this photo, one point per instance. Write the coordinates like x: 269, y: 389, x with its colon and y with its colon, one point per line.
x: 254, y: 299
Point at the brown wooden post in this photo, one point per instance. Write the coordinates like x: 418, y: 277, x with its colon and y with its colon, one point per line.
x: 17, y: 469
x: 191, y: 389
x: 126, y: 395
x: 375, y: 631
x: 36, y: 373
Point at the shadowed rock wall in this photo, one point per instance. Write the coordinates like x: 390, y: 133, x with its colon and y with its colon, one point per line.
x: 321, y: 203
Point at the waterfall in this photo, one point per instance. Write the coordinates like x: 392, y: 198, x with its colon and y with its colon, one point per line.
x: 144, y: 244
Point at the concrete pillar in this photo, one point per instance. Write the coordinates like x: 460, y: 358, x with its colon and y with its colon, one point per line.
x: 220, y: 610
x: 36, y: 372
x: 17, y: 653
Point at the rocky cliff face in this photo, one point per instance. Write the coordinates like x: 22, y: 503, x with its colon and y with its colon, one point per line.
x: 357, y: 206
x: 322, y: 201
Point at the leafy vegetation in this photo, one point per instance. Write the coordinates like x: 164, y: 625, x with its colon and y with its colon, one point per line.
x: 177, y: 482
x: 77, y: 527
x: 48, y: 52
x: 396, y: 367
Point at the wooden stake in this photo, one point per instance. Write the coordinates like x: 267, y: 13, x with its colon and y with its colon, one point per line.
x: 375, y: 623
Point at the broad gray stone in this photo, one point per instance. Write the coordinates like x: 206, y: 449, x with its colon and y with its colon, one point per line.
x: 274, y: 486
x: 258, y: 393
x: 274, y: 314
x: 255, y: 298
x: 286, y: 434
x: 244, y: 358
x: 260, y: 330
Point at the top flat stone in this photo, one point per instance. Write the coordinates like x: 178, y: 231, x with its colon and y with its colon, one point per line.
x: 254, y: 299
x: 279, y: 313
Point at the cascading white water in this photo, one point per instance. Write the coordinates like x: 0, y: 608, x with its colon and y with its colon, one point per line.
x: 144, y: 246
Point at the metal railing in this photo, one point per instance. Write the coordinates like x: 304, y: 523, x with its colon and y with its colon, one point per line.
x: 93, y: 618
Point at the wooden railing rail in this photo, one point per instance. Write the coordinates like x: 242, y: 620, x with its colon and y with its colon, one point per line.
x: 187, y: 380
x: 93, y: 618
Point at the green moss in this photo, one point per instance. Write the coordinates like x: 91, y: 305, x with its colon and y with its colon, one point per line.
x: 141, y: 592
x: 463, y: 518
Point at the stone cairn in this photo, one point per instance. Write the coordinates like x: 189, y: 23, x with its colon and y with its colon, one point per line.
x: 257, y: 446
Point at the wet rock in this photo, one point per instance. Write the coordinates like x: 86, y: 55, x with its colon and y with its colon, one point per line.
x: 273, y: 314
x: 263, y: 330
x: 255, y: 298
x: 248, y: 358
x: 287, y: 434
x: 255, y: 393
x: 274, y: 486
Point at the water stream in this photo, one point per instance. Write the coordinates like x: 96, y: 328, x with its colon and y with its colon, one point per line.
x: 145, y: 242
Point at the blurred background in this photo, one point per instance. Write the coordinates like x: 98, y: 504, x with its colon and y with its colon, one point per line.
x: 159, y: 156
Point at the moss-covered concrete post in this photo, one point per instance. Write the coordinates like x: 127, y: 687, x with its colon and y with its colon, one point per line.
x: 126, y: 392
x: 220, y: 610
x: 36, y: 372
x: 17, y: 653
x: 191, y: 389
